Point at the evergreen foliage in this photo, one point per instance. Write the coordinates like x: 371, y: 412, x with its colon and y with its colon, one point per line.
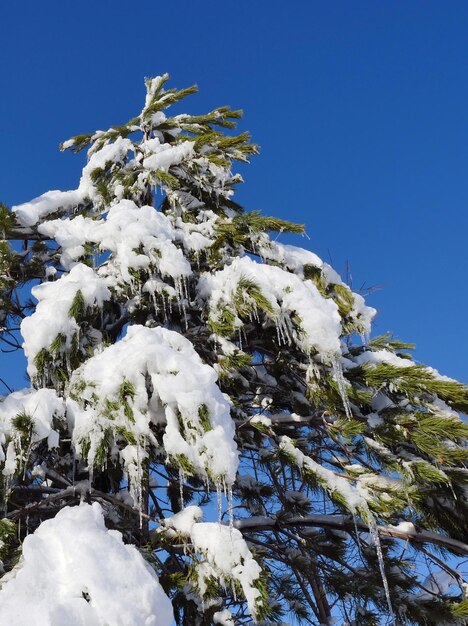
x: 181, y: 357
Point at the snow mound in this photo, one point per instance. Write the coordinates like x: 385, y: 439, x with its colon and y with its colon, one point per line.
x: 40, y: 406
x: 224, y: 555
x: 52, y: 316
x: 137, y: 237
x: 75, y: 572
x: 164, y: 380
x: 283, y: 295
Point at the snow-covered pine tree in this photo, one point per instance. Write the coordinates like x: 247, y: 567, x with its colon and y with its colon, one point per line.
x: 206, y: 408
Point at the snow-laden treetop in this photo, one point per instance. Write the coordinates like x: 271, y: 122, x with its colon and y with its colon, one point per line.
x: 176, y: 350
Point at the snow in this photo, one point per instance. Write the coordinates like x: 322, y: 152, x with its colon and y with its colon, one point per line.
x: 228, y: 555
x: 75, y: 572
x: 225, y: 553
x: 405, y: 527
x: 292, y: 257
x: 436, y: 583
x: 34, y: 211
x: 261, y: 420
x: 114, y: 152
x: 442, y: 409
x: 41, y: 406
x: 161, y: 156
x: 377, y: 357
x: 126, y: 230
x: 30, y: 213
x: 296, y: 497
x: 71, y: 235
x: 319, y: 320
x: 439, y: 376
x: 295, y: 258
x: 153, y: 85
x: 374, y: 420
x: 353, y: 495
x: 183, y: 521
x: 182, y: 387
x: 51, y: 317
x: 362, y: 314
x: 108, y: 154
x: 224, y: 618
x: 183, y: 395
x: 195, y: 236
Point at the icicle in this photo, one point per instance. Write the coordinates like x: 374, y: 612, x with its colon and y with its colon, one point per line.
x: 74, y: 468
x: 230, y: 509
x: 181, y: 487
x: 283, y: 330
x: 374, y: 531
x: 358, y: 539
x: 455, y: 497
x: 313, y: 372
x: 233, y: 587
x: 155, y: 302
x: 254, y: 315
x: 179, y: 285
x: 46, y: 376
x: 139, y: 493
x: 90, y: 472
x: 68, y: 363
x: 338, y: 375
x: 164, y: 305
x: 20, y: 459
x: 7, y: 492
x: 28, y: 453
x: 220, y: 501
x: 279, y: 333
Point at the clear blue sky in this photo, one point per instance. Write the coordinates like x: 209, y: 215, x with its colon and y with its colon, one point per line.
x: 360, y: 109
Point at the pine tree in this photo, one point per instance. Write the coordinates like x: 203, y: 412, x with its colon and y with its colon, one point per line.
x: 186, y: 366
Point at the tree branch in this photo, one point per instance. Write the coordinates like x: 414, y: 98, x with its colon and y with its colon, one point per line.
x: 25, y: 235
x: 344, y: 522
